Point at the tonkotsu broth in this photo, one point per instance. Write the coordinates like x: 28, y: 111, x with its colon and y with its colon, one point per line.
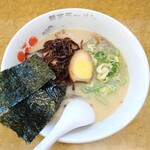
x: 114, y: 100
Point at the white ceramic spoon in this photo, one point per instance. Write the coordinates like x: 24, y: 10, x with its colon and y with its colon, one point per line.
x: 77, y: 113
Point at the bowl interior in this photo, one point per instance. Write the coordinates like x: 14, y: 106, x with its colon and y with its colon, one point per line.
x: 117, y: 34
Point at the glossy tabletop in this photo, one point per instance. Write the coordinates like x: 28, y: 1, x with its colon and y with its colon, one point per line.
x: 135, y: 14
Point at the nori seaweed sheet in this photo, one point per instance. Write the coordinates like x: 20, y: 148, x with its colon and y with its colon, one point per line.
x: 22, y: 80
x: 30, y: 116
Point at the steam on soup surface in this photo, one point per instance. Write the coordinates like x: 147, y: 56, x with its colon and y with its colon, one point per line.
x: 108, y: 86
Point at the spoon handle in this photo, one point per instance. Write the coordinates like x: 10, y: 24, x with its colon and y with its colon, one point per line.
x: 58, y: 131
x: 50, y: 139
x: 47, y: 142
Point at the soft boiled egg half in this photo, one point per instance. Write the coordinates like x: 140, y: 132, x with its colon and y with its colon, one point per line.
x: 81, y: 67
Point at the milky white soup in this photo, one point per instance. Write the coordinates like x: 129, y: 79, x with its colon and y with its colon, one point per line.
x: 107, y: 89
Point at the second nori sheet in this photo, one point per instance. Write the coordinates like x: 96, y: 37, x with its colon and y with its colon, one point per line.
x: 30, y: 116
x: 22, y: 80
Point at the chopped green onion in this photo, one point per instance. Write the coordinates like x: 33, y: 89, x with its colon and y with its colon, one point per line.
x: 90, y: 45
x: 117, y: 52
x: 106, y: 80
x: 89, y: 89
x: 114, y: 69
x: 100, y: 54
x: 112, y: 58
x: 95, y: 61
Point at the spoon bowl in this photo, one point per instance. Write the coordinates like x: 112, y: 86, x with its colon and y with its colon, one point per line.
x: 77, y: 113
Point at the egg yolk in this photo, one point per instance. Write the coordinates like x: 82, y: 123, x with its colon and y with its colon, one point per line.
x: 83, y: 69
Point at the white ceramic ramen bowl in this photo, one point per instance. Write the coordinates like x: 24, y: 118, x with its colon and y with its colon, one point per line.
x: 117, y: 34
